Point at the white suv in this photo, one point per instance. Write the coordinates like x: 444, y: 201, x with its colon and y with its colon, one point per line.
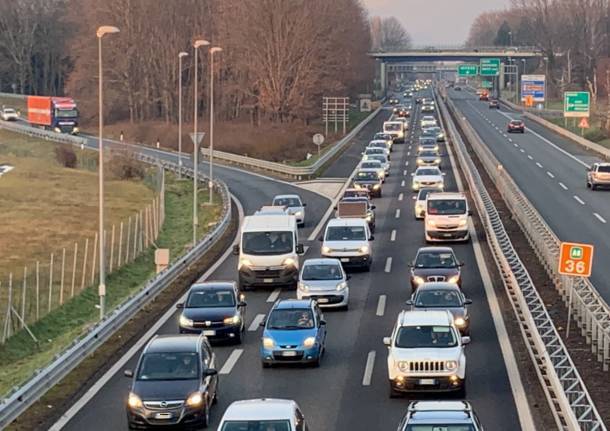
x: 426, y: 354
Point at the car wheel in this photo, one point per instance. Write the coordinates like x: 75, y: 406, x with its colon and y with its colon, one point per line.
x: 394, y: 393
x: 588, y: 185
x: 265, y: 364
x: 367, y: 267
x: 593, y: 186
x: 317, y: 362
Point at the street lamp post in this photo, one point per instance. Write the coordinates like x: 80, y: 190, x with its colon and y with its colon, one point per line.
x: 101, y: 31
x: 196, y: 44
x: 211, y: 185
x: 180, y: 55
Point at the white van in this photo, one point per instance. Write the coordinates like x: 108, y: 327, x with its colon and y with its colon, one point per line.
x: 396, y: 129
x: 446, y: 217
x: 269, y: 251
x: 263, y: 414
x: 349, y: 240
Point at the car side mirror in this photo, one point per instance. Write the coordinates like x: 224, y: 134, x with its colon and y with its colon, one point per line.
x: 467, y: 301
x: 348, y: 277
x: 371, y: 238
x: 321, y: 239
x: 461, y: 264
x: 180, y: 305
x: 128, y: 373
x: 335, y: 208
x: 469, y: 212
x: 387, y: 341
x: 443, y: 173
x: 412, y: 174
x: 242, y: 303
x: 322, y: 322
x: 373, y: 207
x: 465, y: 340
x: 300, y: 249
x: 236, y: 249
x: 304, y: 204
x: 409, y: 302
x: 263, y: 323
x: 210, y: 372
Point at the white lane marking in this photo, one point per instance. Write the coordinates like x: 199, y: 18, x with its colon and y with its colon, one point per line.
x: 120, y: 363
x: 516, y: 145
x: 550, y: 174
x: 398, y: 213
x: 530, y: 157
x: 400, y: 196
x: 407, y: 163
x: 539, y: 165
x: 368, y: 369
x: 600, y: 218
x: 579, y: 200
x: 404, y: 172
x: 563, y: 186
x: 274, y: 295
x: 402, y: 183
x: 388, y: 265
x: 231, y: 361
x: 381, y: 305
x: 510, y: 140
x: 522, y: 150
x: 256, y: 322
x: 408, y: 153
x: 505, y: 135
x: 393, y: 235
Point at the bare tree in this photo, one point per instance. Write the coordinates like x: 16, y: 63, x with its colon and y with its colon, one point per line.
x: 389, y: 34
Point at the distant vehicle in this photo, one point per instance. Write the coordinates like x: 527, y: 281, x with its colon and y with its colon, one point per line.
x: 383, y: 159
x: 9, y: 114
x: 446, y: 217
x: 436, y: 132
x: 396, y: 129
x: 373, y: 164
x: 349, y: 240
x: 457, y: 88
x: 174, y: 383
x: 428, y: 158
x: 420, y: 202
x: 263, y: 414
x: 394, y: 101
x: 598, y: 175
x: 368, y: 179
x: 494, y: 104
x: 435, y: 264
x: 294, y: 332
x: 427, y: 108
x: 324, y: 281
x: 515, y: 126
x: 428, y: 178
x: 484, y: 96
x: 384, y: 137
x: 380, y: 144
x: 404, y: 112
x: 443, y: 296
x: 357, y: 207
x: 59, y: 114
x: 294, y: 206
x: 214, y: 308
x: 372, y: 151
x: 428, y: 143
x: 440, y: 415
x: 428, y: 121
x: 356, y: 193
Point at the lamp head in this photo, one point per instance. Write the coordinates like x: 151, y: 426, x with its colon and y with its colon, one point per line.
x: 106, y: 29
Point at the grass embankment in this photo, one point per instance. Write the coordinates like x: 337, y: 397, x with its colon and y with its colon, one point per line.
x: 20, y: 356
x: 15, y: 102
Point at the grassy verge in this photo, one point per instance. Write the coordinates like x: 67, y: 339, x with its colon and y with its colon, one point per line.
x: 594, y: 134
x: 20, y: 356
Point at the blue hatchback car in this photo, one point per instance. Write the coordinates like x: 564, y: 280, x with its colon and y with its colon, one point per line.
x: 295, y: 332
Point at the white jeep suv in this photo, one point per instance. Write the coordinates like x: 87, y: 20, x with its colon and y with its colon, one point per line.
x: 426, y: 354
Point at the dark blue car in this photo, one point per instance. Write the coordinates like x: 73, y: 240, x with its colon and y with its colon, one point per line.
x: 216, y: 309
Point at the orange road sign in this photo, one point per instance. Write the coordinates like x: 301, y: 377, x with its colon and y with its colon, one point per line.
x: 529, y: 100
x: 575, y: 259
x: 584, y: 123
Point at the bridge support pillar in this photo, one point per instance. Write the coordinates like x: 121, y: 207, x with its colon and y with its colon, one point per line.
x: 383, y: 77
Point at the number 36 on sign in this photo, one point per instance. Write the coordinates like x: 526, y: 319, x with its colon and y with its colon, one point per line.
x: 575, y: 259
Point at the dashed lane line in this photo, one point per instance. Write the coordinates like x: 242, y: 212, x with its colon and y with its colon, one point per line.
x: 381, y: 305
x: 550, y: 174
x: 388, y: 265
x: 401, y: 196
x: 530, y: 157
x: 231, y: 361
x: 274, y: 295
x: 368, y: 369
x: 393, y: 235
x: 402, y: 183
x: 579, y: 200
x: 563, y: 186
x: 397, y: 213
x: 600, y: 218
x: 256, y: 322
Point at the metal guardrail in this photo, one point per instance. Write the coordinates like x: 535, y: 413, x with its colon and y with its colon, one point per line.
x: 21, y: 398
x: 568, y: 397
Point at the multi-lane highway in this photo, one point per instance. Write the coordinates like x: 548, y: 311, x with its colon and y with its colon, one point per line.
x: 550, y: 171
x: 350, y: 390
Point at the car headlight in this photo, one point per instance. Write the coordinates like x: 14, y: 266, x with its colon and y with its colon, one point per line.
x: 463, y: 222
x: 451, y: 365
x: 186, y: 322
x: 233, y: 320
x: 303, y: 287
x: 134, y: 401
x: 459, y: 322
x: 245, y: 262
x: 341, y: 286
x: 369, y: 218
x: 309, y: 342
x: 289, y: 262
x: 376, y: 186
x: 431, y: 223
x: 358, y: 186
x: 420, y: 161
x: 326, y: 250
x: 418, y: 280
x: 364, y: 249
x: 57, y: 129
x: 268, y: 343
x: 403, y: 365
x: 195, y: 399
x: 454, y: 279
x: 437, y: 160
x: 299, y: 214
x: 76, y: 130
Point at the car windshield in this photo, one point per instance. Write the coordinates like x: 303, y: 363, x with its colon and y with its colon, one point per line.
x: 322, y: 272
x: 66, y: 113
x: 267, y: 243
x: 423, y: 193
x: 446, y: 206
x: 377, y: 145
x: 603, y: 169
x: 435, y: 259
x: 169, y: 366
x: 427, y: 140
x: 515, y: 123
x: 287, y: 202
x: 367, y: 175
x: 440, y: 427
x: 438, y: 298
x: 427, y: 154
x: 9, y: 111
x: 345, y: 233
x: 374, y: 150
x: 379, y: 157
x: 427, y: 172
x: 383, y: 136
x: 210, y: 298
x: 418, y: 337
x: 392, y: 127
x: 291, y: 318
x: 355, y: 193
x: 257, y: 425
x: 371, y: 165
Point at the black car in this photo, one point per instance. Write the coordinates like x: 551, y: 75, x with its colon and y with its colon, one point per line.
x: 174, y: 383
x: 435, y: 264
x: 215, y: 309
x: 515, y: 126
x: 370, y: 180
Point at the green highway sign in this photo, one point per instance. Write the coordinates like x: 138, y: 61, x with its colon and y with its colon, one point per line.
x: 487, y: 84
x: 490, y: 67
x: 576, y: 104
x: 468, y: 69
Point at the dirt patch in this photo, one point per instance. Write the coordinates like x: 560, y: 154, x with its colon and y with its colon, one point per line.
x: 589, y: 368
x: 43, y: 413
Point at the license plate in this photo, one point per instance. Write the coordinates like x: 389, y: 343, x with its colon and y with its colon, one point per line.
x: 163, y: 416
x: 323, y: 300
x: 289, y: 353
x: 447, y: 235
x: 267, y: 280
x: 427, y: 381
x: 209, y: 333
x: 345, y: 259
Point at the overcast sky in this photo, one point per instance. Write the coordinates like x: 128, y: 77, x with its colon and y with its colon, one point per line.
x: 434, y: 21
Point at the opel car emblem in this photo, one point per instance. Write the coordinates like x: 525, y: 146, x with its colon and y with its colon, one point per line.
x: 208, y: 323
x: 163, y: 403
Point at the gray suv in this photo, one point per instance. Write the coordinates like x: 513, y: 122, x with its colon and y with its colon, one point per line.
x: 440, y: 415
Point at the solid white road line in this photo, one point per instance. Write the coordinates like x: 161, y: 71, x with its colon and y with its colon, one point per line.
x: 381, y: 305
x: 388, y: 265
x: 393, y: 235
x: 398, y: 213
x: 539, y: 165
x: 256, y: 322
x: 231, y: 361
x: 600, y: 218
x: 563, y: 186
x: 274, y: 295
x: 550, y: 174
x: 579, y: 200
x: 401, y: 196
x: 368, y: 369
